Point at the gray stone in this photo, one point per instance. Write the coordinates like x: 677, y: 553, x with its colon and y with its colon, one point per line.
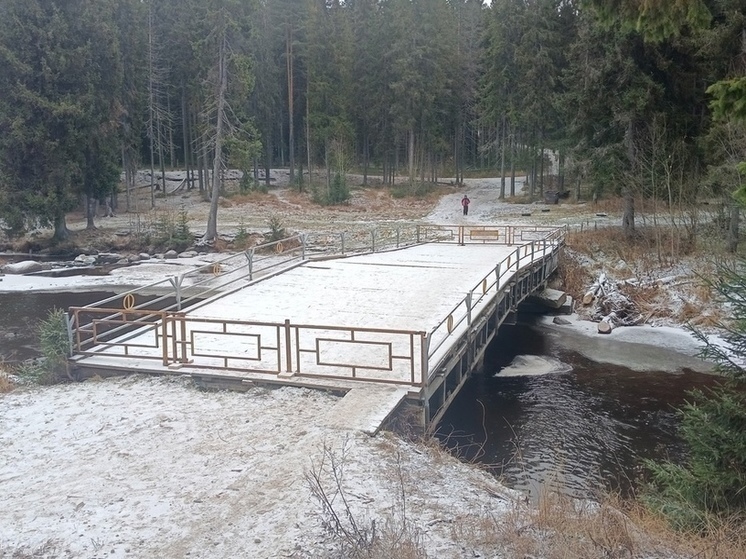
x: 159, y: 256
x: 109, y: 258
x: 84, y: 260
x: 25, y: 267
x: 561, y: 321
x: 133, y: 258
x: 188, y: 254
x: 144, y: 256
x: 567, y: 306
x: 171, y: 254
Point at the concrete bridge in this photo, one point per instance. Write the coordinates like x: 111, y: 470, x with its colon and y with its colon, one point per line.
x: 403, y: 315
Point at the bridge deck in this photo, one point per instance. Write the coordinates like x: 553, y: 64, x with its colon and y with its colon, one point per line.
x: 408, y: 289
x: 386, y: 318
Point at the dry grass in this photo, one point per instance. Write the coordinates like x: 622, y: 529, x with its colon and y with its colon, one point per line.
x: 562, y: 527
x: 6, y: 383
x: 573, y: 276
x: 654, y: 254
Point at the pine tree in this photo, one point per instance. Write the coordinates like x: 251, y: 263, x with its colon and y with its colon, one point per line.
x: 58, y: 101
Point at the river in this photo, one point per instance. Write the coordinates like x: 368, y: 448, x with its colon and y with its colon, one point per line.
x: 557, y: 419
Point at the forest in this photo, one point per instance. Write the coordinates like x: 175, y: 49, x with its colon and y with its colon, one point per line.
x: 636, y: 98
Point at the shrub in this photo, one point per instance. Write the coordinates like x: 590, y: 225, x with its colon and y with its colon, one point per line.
x: 6, y: 383
x: 173, y: 231
x: 55, y: 348
x: 710, y: 488
x: 276, y: 229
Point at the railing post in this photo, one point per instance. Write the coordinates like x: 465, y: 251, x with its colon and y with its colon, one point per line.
x: 182, y: 321
x: 468, y: 308
x: 424, y: 357
x: 69, y: 324
x: 303, y: 246
x: 250, y: 257
x: 533, y: 250
x: 164, y: 339
x: 417, y: 233
x: 288, y: 349
x: 397, y: 237
x: 176, y: 282
x: 342, y: 241
x: 497, y: 276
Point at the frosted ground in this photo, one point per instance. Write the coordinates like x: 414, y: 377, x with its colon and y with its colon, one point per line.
x: 153, y: 467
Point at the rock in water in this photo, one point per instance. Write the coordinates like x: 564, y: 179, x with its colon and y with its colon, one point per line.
x: 25, y: 267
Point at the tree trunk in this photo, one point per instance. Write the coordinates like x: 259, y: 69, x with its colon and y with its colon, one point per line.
x: 410, y: 156
x: 628, y: 217
x: 212, y: 221
x: 126, y: 167
x: 61, y: 232
x: 291, y: 131
x: 366, y: 155
x: 308, y: 130
x: 735, y: 215
x: 151, y: 106
x: 512, y: 163
x: 90, y: 211
x: 185, y: 134
x: 607, y: 324
x: 502, y: 158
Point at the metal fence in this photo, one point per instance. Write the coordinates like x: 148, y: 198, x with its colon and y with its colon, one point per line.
x: 150, y: 323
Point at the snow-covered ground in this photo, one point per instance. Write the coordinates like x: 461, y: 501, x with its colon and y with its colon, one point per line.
x: 153, y: 467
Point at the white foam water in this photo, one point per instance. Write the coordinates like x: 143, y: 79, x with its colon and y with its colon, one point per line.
x: 533, y: 365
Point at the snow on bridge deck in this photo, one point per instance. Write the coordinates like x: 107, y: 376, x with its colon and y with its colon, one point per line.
x: 381, y: 318
x: 408, y: 289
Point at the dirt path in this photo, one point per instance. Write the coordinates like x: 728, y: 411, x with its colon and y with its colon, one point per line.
x: 366, y: 208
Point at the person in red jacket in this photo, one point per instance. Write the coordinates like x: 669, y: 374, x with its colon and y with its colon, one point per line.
x: 465, y: 203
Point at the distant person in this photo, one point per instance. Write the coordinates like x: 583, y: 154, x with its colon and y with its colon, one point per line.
x: 465, y: 203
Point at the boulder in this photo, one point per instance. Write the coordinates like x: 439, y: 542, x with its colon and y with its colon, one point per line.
x: 144, y: 256
x: 25, y: 267
x: 84, y: 260
x: 109, y: 258
x: 188, y: 254
x: 171, y: 254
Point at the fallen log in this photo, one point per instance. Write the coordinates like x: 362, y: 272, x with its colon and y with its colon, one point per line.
x: 607, y: 323
x: 593, y: 290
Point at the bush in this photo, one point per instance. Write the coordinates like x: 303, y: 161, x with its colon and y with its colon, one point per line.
x: 55, y: 348
x: 416, y: 189
x: 173, y: 231
x: 276, y: 229
x: 710, y: 489
x: 713, y: 481
x: 242, y: 236
x: 338, y: 191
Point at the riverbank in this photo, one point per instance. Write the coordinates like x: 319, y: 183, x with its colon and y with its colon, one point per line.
x: 640, y: 348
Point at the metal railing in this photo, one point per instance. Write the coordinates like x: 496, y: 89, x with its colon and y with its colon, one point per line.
x: 175, y: 338
x: 463, y: 313
x: 150, y: 323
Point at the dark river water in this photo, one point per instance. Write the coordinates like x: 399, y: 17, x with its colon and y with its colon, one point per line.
x: 584, y: 428
x: 20, y: 314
